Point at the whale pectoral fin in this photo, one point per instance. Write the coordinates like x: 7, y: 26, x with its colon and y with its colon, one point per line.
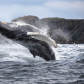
x: 42, y: 37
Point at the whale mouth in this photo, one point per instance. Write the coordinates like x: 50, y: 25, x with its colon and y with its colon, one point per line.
x: 42, y: 37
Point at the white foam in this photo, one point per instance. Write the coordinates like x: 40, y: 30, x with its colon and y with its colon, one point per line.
x: 57, y: 55
x: 16, y: 52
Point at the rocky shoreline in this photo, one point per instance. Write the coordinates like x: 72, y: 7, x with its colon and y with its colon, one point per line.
x: 63, y: 31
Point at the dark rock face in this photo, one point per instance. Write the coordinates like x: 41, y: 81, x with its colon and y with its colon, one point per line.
x: 65, y: 30
x: 33, y: 20
x: 78, y: 33
x: 61, y: 30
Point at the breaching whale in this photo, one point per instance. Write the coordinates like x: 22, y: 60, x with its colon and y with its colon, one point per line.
x: 38, y: 44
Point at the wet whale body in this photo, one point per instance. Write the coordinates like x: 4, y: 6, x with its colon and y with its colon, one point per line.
x: 38, y: 44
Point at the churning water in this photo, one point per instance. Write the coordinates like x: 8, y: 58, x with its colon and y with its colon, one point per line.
x: 17, y: 65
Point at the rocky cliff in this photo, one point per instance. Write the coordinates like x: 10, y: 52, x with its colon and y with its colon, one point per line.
x: 33, y: 20
x: 60, y: 29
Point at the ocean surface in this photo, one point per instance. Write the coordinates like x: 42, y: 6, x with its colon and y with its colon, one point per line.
x: 17, y: 65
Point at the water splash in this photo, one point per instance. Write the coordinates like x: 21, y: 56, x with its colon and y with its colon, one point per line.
x: 21, y: 23
x: 45, y: 30
x: 17, y: 24
x: 16, y: 52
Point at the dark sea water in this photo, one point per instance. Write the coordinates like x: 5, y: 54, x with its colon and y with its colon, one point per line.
x: 17, y: 65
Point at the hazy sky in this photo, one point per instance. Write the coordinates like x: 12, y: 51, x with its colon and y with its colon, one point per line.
x: 69, y: 9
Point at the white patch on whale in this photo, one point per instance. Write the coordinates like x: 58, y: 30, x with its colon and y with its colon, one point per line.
x: 42, y: 37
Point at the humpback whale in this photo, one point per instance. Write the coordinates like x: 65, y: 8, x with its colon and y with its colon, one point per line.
x: 30, y: 37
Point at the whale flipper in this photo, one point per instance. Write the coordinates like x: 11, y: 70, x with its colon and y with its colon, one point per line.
x: 42, y: 37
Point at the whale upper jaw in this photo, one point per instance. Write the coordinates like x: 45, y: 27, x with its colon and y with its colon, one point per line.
x: 43, y: 37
